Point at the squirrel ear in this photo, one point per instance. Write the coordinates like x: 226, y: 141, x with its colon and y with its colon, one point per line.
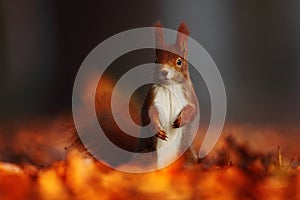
x: 182, y: 38
x: 159, y: 34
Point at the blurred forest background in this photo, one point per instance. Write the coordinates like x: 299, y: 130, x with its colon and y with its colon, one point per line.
x: 255, y: 45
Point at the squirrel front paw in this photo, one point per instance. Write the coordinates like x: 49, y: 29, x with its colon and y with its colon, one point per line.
x: 162, y: 135
x: 177, y: 122
x: 183, y: 118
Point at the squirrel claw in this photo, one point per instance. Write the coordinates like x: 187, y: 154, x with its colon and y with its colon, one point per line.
x: 176, y: 123
x: 162, y: 135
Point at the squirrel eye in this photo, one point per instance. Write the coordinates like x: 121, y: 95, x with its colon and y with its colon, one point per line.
x: 179, y: 62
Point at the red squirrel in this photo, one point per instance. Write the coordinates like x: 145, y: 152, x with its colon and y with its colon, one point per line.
x: 171, y: 105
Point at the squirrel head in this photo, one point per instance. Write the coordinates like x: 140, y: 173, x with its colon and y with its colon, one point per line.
x: 174, y: 66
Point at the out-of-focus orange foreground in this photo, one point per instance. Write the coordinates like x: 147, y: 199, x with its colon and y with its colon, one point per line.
x: 241, y: 166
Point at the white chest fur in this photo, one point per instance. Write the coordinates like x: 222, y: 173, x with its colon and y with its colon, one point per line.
x: 169, y: 101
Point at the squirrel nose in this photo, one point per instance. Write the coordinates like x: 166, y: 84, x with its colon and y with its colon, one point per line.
x: 164, y: 72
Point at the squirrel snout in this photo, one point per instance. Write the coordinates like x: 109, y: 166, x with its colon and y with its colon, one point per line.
x: 164, y: 72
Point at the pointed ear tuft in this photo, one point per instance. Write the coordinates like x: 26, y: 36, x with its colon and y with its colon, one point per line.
x: 182, y: 39
x: 183, y: 28
x: 159, y: 34
x: 158, y: 24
